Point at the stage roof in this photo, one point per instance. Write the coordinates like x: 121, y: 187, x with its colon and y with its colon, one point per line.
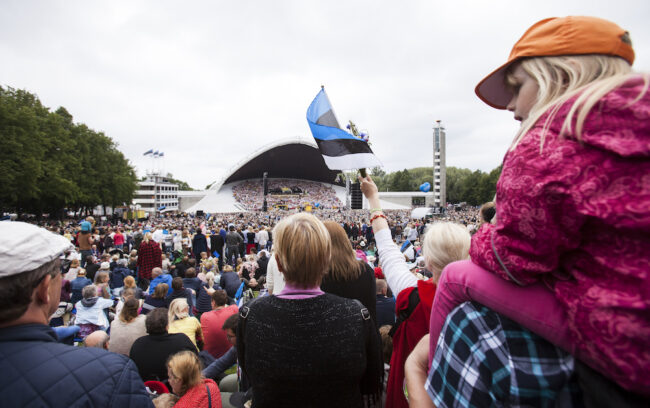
x: 295, y: 159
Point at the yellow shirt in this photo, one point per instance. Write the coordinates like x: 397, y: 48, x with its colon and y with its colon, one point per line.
x: 189, y: 326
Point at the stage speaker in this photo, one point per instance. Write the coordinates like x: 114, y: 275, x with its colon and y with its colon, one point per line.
x: 199, y: 213
x: 265, y: 183
x: 357, y: 196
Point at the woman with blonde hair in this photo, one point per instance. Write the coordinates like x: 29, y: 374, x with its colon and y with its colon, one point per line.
x: 347, y: 276
x: 186, y: 381
x: 301, y: 345
x: 129, y: 283
x: 127, y: 327
x: 180, y: 321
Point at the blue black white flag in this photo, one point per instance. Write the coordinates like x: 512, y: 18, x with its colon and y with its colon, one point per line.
x: 161, y: 154
x: 155, y: 154
x: 150, y: 151
x: 340, y: 149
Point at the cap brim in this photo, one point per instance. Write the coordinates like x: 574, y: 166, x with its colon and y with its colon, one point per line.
x: 492, y: 89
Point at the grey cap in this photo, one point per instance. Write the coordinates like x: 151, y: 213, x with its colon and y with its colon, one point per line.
x: 24, y: 247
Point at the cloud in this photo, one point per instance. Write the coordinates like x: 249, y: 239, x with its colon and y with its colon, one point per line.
x: 210, y: 82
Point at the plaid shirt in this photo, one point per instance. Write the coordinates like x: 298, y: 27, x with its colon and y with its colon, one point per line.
x: 484, y: 359
x: 149, y: 257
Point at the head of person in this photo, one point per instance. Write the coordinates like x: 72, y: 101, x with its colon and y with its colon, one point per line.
x: 444, y: 243
x: 160, y: 291
x: 343, y: 264
x: 177, y: 283
x: 157, y: 321
x: 101, y: 277
x: 30, y: 278
x: 219, y: 298
x: 89, y: 292
x: 303, y: 249
x: 147, y: 237
x: 129, y: 310
x: 230, y: 327
x: 178, y: 309
x: 98, y: 339
x: 183, y: 371
x: 129, y: 282
x: 204, y: 255
x: 487, y: 212
x: 128, y: 293
x: 382, y: 287
x: 155, y: 272
x: 81, y: 273
x: 190, y: 273
x: 556, y: 59
x: 209, y: 277
x: 74, y: 263
x: 227, y: 268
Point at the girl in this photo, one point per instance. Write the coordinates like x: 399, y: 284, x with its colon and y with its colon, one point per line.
x: 568, y: 254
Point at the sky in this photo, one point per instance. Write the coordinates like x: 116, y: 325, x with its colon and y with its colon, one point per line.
x: 210, y: 82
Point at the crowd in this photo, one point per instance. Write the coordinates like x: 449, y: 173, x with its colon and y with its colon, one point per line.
x: 286, y: 194
x: 538, y: 299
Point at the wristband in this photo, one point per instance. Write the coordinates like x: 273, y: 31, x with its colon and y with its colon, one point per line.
x: 374, y: 210
x: 377, y: 216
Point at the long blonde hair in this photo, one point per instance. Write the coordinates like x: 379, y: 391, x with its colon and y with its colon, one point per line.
x: 185, y: 366
x: 178, y: 309
x: 561, y: 78
x: 343, y: 263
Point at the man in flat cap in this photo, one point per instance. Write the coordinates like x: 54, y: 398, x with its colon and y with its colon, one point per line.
x: 36, y: 369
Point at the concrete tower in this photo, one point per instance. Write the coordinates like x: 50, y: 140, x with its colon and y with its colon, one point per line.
x: 439, y: 166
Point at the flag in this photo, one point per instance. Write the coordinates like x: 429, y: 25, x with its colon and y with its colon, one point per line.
x: 340, y: 150
x: 161, y: 154
x: 150, y: 151
x: 155, y: 154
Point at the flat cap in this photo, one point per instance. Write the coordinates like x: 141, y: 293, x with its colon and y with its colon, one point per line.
x: 24, y: 247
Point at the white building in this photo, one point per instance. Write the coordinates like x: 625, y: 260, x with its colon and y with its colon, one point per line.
x: 156, y: 194
x: 439, y: 166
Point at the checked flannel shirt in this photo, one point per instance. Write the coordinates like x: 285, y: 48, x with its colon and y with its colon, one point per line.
x: 484, y: 359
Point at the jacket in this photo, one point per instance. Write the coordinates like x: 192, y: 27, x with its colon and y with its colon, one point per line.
x: 576, y: 217
x: 38, y: 371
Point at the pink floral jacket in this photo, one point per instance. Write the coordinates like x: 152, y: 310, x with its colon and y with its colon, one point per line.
x: 577, y: 217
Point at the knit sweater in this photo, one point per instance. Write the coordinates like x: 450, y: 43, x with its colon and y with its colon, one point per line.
x: 318, y: 351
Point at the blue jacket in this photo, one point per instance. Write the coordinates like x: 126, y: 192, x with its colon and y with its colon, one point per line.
x: 164, y: 278
x: 230, y: 283
x: 117, y: 277
x: 39, y: 372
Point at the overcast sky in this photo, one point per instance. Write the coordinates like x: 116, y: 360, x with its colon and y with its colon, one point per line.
x: 209, y: 82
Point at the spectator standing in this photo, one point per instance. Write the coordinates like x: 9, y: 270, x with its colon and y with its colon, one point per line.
x: 149, y: 257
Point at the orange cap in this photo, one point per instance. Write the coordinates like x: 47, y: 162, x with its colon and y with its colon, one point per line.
x: 573, y: 35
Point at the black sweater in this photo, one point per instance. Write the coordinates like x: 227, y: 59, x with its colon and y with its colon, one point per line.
x: 362, y: 289
x: 150, y: 353
x: 318, y: 352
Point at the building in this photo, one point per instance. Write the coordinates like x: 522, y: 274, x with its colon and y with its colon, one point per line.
x: 156, y: 194
x: 439, y: 166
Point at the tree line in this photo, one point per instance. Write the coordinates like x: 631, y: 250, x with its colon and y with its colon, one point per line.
x: 49, y: 164
x: 463, y: 185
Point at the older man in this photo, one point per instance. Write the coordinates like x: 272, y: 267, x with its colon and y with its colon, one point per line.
x: 37, y: 370
x: 159, y: 277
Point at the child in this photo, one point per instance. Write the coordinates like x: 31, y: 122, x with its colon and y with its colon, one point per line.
x: 568, y: 254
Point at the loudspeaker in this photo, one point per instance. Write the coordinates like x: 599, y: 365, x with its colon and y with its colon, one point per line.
x: 199, y: 213
x: 357, y: 196
x: 265, y: 183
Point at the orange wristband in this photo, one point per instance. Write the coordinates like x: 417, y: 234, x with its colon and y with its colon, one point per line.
x: 374, y: 217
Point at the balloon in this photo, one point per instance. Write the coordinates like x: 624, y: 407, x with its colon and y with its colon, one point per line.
x: 317, y: 205
x: 425, y: 187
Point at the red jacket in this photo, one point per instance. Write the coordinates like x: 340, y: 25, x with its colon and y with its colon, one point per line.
x: 197, y: 396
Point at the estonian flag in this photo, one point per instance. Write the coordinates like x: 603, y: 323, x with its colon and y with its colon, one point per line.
x: 340, y: 150
x: 161, y: 154
x: 155, y: 154
x: 150, y: 151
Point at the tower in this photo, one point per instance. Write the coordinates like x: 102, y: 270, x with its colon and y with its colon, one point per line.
x: 439, y: 166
